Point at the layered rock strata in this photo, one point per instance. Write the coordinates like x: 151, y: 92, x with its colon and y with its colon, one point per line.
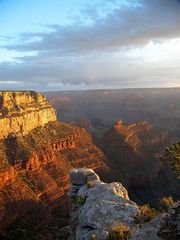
x: 23, y: 111
x: 135, y: 150
x: 34, y: 166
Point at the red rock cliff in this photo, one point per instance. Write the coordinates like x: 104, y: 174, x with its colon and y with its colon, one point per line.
x: 34, y: 165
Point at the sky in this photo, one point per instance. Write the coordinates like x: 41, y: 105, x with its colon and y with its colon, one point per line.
x: 48, y: 45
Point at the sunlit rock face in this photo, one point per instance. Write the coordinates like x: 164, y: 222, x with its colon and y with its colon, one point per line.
x: 23, y: 111
x: 35, y: 159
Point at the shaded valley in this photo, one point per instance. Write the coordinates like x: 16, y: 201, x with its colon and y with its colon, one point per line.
x: 133, y: 146
x: 37, y: 151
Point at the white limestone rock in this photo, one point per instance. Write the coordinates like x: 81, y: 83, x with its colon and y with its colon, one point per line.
x: 82, y: 175
x: 149, y: 230
x: 105, y: 204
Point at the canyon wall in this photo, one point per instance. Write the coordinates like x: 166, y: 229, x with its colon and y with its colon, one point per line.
x: 23, y: 111
x: 135, y: 146
x: 134, y: 152
x: 35, y: 160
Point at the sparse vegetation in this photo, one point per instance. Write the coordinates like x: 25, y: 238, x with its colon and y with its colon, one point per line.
x: 119, y: 231
x: 79, y: 200
x: 146, y: 214
x: 90, y: 184
x: 172, y: 156
x: 170, y: 227
x: 166, y: 202
x: 21, y: 147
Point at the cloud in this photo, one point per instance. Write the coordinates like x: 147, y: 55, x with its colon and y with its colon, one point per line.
x: 122, y: 27
x: 93, y: 53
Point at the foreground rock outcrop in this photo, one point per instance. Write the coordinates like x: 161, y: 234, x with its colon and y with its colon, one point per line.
x: 97, y: 206
x: 102, y: 205
x: 35, y: 159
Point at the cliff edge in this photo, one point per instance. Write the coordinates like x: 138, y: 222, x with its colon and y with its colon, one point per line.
x: 22, y: 111
x: 97, y: 205
x: 103, y: 211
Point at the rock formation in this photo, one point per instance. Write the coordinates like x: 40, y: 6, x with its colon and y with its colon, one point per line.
x: 36, y: 154
x: 21, y: 112
x: 97, y: 206
x: 133, y: 151
x: 136, y: 143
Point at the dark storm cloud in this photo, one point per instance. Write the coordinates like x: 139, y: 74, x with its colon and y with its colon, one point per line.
x: 65, y: 55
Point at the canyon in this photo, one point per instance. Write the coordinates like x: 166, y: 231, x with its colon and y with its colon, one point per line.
x: 149, y: 122
x: 135, y: 148
x: 36, y: 154
x: 37, y: 151
x: 134, y: 152
x: 103, y: 107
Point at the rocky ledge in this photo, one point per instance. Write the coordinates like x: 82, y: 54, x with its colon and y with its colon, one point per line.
x: 97, y: 206
x: 22, y: 111
x: 101, y: 204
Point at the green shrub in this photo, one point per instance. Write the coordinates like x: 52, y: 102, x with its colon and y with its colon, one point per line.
x: 146, y: 214
x: 119, y: 231
x: 166, y: 202
x: 79, y: 200
x: 172, y: 156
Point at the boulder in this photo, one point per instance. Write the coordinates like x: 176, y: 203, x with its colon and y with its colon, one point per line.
x: 82, y: 175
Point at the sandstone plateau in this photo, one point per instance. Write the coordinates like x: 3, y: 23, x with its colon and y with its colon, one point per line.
x: 36, y: 154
